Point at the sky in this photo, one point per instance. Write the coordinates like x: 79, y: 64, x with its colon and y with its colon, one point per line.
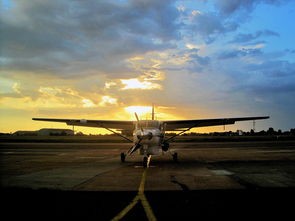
x: 107, y: 59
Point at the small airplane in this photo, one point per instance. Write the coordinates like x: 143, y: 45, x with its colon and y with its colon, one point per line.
x: 149, y: 135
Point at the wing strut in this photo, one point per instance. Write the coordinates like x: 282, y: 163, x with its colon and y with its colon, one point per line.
x: 170, y: 138
x: 120, y: 135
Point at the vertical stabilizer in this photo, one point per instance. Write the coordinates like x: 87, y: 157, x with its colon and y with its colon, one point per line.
x: 153, y: 112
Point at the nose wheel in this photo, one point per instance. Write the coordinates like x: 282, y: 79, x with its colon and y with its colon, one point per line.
x: 146, y: 161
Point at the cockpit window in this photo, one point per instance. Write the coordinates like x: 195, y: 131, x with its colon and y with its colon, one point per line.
x: 149, y: 124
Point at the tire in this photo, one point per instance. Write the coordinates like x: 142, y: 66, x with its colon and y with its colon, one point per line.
x: 175, y: 157
x: 145, y: 162
x: 123, y: 156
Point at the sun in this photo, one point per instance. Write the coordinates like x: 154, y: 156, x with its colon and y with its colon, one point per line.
x: 141, y: 111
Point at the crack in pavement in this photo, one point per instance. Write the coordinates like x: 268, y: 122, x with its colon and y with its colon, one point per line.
x: 183, y: 186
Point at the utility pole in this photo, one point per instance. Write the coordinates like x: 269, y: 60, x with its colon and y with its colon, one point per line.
x: 254, y: 125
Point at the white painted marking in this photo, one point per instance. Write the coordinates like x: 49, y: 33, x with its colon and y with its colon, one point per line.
x: 275, y: 151
x: 222, y: 172
x: 136, y: 166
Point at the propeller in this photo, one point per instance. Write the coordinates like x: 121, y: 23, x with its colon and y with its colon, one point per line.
x: 138, y: 122
x: 140, y: 137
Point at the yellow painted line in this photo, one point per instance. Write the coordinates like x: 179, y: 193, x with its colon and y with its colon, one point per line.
x: 126, y: 209
x: 140, y: 197
x: 147, y: 208
x: 142, y: 182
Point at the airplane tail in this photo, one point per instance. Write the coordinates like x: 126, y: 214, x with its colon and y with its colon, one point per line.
x: 153, y: 112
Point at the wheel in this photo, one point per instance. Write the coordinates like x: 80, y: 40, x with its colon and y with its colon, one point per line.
x: 145, y: 162
x: 175, y: 157
x: 123, y: 156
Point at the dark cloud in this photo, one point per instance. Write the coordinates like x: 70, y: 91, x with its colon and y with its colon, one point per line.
x: 227, y: 17
x: 196, y: 62
x: 242, y: 38
x: 70, y: 37
x: 274, y: 80
x: 210, y: 26
x: 286, y: 88
x: 275, y: 69
x: 266, y: 88
x: 228, y: 7
x: 239, y: 53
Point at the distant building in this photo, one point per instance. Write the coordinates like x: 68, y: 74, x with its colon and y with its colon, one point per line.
x: 240, y: 132
x: 25, y: 133
x: 55, y: 132
x: 45, y: 132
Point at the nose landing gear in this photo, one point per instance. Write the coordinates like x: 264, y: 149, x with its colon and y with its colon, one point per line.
x: 146, y: 161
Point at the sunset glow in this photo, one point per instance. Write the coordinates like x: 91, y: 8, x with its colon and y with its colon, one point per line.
x: 137, y: 84
x: 142, y: 111
x: 196, y: 59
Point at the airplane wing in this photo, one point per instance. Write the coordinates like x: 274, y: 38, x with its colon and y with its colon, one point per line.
x: 107, y: 124
x: 188, y: 124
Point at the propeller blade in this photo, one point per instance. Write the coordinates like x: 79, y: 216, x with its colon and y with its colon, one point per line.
x: 138, y: 122
x: 134, y: 147
x: 136, y: 117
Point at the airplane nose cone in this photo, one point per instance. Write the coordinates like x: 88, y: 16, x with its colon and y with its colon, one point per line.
x: 150, y: 135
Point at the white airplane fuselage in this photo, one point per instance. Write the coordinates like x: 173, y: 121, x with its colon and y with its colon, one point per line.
x: 150, y: 135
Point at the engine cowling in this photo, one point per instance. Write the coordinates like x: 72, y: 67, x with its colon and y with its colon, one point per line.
x: 143, y: 136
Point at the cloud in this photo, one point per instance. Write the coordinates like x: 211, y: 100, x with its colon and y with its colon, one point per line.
x: 228, y: 7
x: 134, y: 83
x: 209, y: 26
x: 83, y: 58
x: 195, y: 62
x: 226, y: 16
x: 239, y: 53
x: 269, y: 80
x: 243, y: 38
x: 88, y: 103
x: 108, y: 100
x: 75, y: 38
x: 277, y: 69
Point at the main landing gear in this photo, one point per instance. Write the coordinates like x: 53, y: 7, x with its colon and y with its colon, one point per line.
x: 145, y: 162
x: 146, y: 159
x: 175, y: 157
x: 123, y: 156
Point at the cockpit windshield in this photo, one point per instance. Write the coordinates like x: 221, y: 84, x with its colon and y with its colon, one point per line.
x: 149, y: 124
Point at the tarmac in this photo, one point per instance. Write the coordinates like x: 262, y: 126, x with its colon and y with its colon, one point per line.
x: 87, y: 181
